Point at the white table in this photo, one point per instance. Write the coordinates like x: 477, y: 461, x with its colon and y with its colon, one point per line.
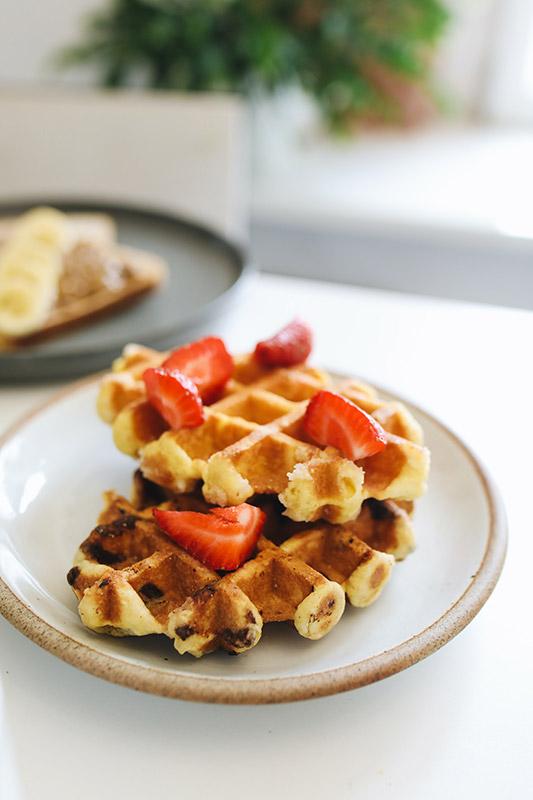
x: 457, y: 725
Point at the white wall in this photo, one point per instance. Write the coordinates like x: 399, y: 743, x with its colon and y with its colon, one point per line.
x: 30, y: 30
x: 464, y: 53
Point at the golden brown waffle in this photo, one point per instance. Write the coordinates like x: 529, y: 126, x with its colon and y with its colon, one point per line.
x: 252, y: 441
x: 381, y: 524
x: 124, y: 384
x: 131, y: 579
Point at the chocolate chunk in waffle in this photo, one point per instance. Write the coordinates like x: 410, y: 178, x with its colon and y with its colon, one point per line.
x: 131, y: 579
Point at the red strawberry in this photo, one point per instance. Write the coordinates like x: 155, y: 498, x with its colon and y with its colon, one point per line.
x: 206, y: 362
x: 175, y: 397
x: 290, y: 346
x: 222, y: 539
x: 333, y: 420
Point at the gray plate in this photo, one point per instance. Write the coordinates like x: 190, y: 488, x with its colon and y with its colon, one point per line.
x: 204, y: 270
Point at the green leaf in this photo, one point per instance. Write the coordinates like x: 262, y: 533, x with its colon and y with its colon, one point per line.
x: 249, y: 45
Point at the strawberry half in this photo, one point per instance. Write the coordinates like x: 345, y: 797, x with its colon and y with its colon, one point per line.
x: 206, y: 362
x: 290, y: 346
x: 221, y: 539
x: 333, y: 420
x: 175, y: 397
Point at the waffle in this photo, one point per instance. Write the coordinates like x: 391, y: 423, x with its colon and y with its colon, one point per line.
x: 253, y: 442
x: 131, y: 579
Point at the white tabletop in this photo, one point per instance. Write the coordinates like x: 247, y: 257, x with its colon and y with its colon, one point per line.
x: 457, y: 725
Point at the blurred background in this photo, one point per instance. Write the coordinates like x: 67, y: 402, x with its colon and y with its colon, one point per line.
x: 385, y: 143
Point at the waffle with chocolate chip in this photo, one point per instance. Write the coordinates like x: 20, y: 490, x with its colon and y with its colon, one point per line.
x: 253, y: 441
x: 132, y: 580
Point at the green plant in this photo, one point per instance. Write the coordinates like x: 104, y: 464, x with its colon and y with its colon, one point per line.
x: 345, y: 53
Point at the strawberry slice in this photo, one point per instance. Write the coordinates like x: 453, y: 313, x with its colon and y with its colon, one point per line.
x: 221, y: 539
x: 334, y: 420
x: 175, y: 397
x: 206, y: 362
x: 290, y: 346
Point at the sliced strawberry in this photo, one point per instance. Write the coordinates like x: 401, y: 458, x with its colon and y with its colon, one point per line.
x: 290, y: 346
x: 222, y: 539
x: 175, y: 397
x: 333, y: 420
x: 206, y: 362
x: 233, y: 513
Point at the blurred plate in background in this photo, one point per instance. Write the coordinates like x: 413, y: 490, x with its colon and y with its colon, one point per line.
x: 204, y: 269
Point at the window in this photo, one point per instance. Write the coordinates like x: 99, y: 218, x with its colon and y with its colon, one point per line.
x: 509, y: 88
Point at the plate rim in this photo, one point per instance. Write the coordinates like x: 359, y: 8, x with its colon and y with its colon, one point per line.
x: 284, y: 689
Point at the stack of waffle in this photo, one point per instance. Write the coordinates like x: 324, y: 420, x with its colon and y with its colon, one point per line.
x: 334, y: 527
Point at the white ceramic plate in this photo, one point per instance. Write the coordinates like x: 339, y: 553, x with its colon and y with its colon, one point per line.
x: 53, y: 468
